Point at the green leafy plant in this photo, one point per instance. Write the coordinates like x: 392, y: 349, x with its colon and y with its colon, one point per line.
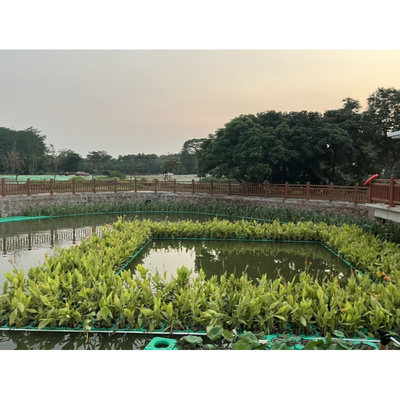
x: 87, y: 286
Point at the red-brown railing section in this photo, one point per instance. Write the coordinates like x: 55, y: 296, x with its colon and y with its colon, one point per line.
x: 385, y: 191
x: 380, y: 190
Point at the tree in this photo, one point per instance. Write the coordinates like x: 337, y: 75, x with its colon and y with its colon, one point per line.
x: 29, y: 144
x: 188, y: 155
x: 235, y: 151
x: 97, y: 159
x: 13, y: 162
x: 70, y: 161
x: 383, y: 114
x: 171, y: 165
x: 54, y: 158
x: 357, y: 155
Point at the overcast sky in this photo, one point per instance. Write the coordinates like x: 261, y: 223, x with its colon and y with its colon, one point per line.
x: 152, y: 101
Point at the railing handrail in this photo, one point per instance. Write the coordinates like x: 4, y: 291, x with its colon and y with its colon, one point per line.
x: 354, y: 194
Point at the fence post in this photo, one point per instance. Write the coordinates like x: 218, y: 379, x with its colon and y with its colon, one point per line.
x: 174, y: 185
x: 28, y: 187
x: 155, y: 186
x: 115, y: 185
x: 391, y: 190
x: 356, y: 194
x: 369, y: 193
x: 266, y: 188
x: 247, y: 189
x: 51, y: 187
x: 212, y: 187
x: 330, y: 192
x: 229, y: 188
x: 73, y: 186
x: 308, y: 191
x: 192, y: 186
x: 94, y: 185
x: 286, y: 189
x: 135, y: 184
x: 3, y: 188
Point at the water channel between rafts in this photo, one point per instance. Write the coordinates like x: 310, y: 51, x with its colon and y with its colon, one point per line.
x: 24, y: 244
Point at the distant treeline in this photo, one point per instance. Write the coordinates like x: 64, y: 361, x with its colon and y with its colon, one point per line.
x: 25, y: 152
x: 343, y: 146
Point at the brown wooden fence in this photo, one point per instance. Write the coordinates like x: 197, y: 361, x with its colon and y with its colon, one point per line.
x: 379, y: 191
x: 385, y: 191
x: 382, y: 191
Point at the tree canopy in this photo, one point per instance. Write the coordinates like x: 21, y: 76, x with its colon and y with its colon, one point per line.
x: 22, y: 151
x: 341, y: 146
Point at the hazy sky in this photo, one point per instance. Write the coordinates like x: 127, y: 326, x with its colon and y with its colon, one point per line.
x: 152, y: 101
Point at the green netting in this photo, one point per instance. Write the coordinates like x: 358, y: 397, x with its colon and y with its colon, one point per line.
x: 134, y: 256
x: 21, y: 218
x: 24, y: 178
x: 293, y: 340
x: 24, y: 218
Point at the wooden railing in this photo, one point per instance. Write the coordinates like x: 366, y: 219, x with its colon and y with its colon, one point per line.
x: 385, y: 191
x: 379, y: 191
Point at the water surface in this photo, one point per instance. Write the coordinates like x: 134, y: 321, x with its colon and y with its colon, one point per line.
x: 235, y: 257
x: 23, y: 244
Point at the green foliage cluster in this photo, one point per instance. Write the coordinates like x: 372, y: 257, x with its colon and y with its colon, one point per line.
x: 385, y: 230
x: 22, y: 152
x: 113, y: 174
x: 25, y: 152
x: 341, y: 146
x: 225, y: 339
x: 80, y: 286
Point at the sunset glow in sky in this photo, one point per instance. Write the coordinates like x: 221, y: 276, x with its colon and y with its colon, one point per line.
x: 134, y: 101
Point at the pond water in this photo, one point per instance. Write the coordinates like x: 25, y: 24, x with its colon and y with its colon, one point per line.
x: 72, y: 341
x: 256, y: 258
x: 23, y: 244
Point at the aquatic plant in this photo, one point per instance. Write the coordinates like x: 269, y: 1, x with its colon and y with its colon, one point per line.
x: 384, y: 230
x: 86, y: 285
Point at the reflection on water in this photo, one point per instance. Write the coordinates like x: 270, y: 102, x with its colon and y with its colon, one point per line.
x: 23, y: 244
x: 256, y: 258
x: 12, y: 340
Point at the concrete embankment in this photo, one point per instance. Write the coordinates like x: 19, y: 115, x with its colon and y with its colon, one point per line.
x: 15, y: 205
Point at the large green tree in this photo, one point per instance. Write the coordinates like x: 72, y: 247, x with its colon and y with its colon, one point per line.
x: 97, y: 160
x: 188, y: 155
x: 383, y: 115
x: 12, y: 162
x: 235, y: 151
x: 29, y: 144
x: 341, y: 146
x: 70, y: 161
